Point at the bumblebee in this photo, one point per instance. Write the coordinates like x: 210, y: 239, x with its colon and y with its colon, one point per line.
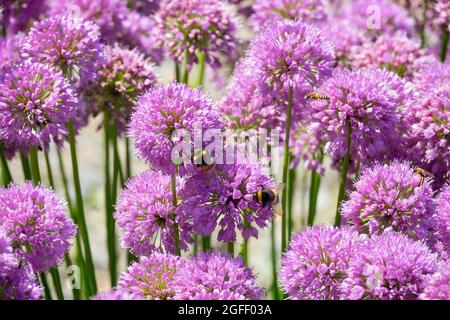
x: 317, y: 96
x: 270, y: 197
x: 423, y: 174
x: 203, y: 160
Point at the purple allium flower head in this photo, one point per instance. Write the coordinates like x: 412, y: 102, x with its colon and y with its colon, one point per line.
x: 9, y: 51
x: 396, y: 53
x: 429, y: 73
x: 16, y: 15
x: 116, y: 294
x: 269, y: 10
x: 224, y: 197
x: 437, y: 285
x: 163, y: 110
x: 364, y: 101
x: 146, y: 7
x: 378, y: 17
x: 390, y: 266
x: 215, y: 276
x: 36, y: 103
x: 244, y: 107
x: 290, y: 54
x: 197, y: 26
x: 107, y: 14
x: 442, y: 12
x: 147, y: 217
x: 443, y: 218
x: 391, y: 197
x: 152, y: 277
x: 17, y: 282
x: 35, y: 220
x: 315, y: 263
x: 66, y: 42
x: 428, y: 123
x: 120, y: 80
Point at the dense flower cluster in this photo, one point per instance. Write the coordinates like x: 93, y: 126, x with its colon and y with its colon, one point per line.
x: 66, y: 42
x: 197, y: 26
x: 388, y: 267
x: 443, y: 219
x: 120, y: 80
x: 391, y: 196
x: 442, y: 10
x: 146, y: 215
x: 16, y: 15
x: 437, y: 285
x: 35, y: 220
x: 316, y: 262
x: 36, y: 103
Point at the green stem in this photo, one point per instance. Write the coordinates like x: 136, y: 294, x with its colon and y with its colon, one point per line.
x: 177, y: 72
x: 206, y: 243
x: 275, y: 291
x: 49, y: 170
x: 173, y: 187
x: 286, y: 172
x: 185, y: 77
x: 75, y: 292
x: 244, y: 251
x: 47, y: 293
x: 6, y: 173
x: 444, y: 43
x: 128, y: 172
x: 112, y: 226
x: 131, y: 258
x: 201, y: 69
x: 291, y: 187
x: 26, y: 167
x: 230, y: 248
x: 80, y: 212
x: 195, y: 246
x: 343, y: 177
x: 35, y: 171
x: 423, y: 27
x: 314, y: 192
x: 57, y: 283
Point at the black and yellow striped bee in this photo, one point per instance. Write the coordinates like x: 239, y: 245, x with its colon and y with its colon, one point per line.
x: 270, y: 197
x: 317, y: 96
x: 423, y: 174
x: 202, y: 159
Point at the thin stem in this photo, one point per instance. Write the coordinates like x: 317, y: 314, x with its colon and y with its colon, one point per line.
x: 6, y: 173
x: 26, y: 167
x: 128, y: 172
x: 291, y: 187
x: 75, y: 292
x: 230, y: 248
x: 177, y: 71
x: 57, y: 283
x: 112, y: 226
x: 173, y: 187
x: 244, y: 251
x: 201, y: 69
x: 80, y: 211
x: 423, y: 27
x: 185, y: 77
x: 195, y: 247
x: 343, y: 177
x: 286, y: 172
x: 49, y: 170
x: 444, y: 43
x: 44, y: 282
x: 206, y: 243
x: 35, y: 171
x: 314, y: 192
x: 275, y: 291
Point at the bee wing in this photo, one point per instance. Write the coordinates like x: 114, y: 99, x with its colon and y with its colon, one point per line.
x: 277, y: 209
x: 279, y: 187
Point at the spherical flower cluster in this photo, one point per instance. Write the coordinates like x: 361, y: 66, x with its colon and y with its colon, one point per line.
x: 17, y: 282
x: 378, y: 17
x: 152, y: 277
x: 429, y: 73
x: 442, y: 11
x: 244, y: 107
x: 388, y: 267
x: 391, y: 196
x: 443, y: 218
x: 146, y: 215
x: 290, y: 54
x: 124, y: 75
x: 268, y: 10
x: 316, y: 262
x: 16, y: 16
x: 9, y: 51
x: 35, y: 220
x: 161, y: 112
x: 396, y: 53
x: 116, y: 294
x: 66, y: 42
x: 437, y: 285
x: 214, y: 276
x: 429, y: 133
x: 224, y: 196
x: 361, y: 104
x: 196, y: 26
x: 36, y: 103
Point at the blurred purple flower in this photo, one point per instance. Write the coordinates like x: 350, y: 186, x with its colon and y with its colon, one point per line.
x: 214, y: 276
x: 315, y: 263
x: 437, y: 285
x: 115, y: 294
x: 35, y: 220
x: 388, y: 267
x: 443, y: 219
x: 16, y: 16
x: 9, y: 52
